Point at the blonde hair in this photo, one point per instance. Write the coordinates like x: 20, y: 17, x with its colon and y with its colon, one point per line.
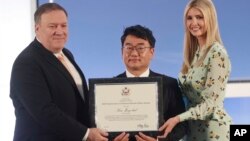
x: 212, y: 32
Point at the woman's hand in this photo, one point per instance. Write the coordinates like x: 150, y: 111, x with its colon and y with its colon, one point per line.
x: 168, y: 126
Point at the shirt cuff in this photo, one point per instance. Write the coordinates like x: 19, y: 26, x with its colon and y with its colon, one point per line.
x: 86, y: 135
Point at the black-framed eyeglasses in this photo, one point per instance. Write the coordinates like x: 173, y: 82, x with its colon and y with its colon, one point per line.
x: 140, y: 49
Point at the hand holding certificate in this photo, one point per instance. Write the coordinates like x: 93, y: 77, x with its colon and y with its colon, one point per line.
x: 126, y: 105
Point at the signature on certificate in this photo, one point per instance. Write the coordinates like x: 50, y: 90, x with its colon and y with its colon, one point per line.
x: 142, y: 126
x: 126, y: 110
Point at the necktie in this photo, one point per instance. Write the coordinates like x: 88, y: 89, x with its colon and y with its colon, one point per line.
x: 61, y: 58
x: 73, y: 72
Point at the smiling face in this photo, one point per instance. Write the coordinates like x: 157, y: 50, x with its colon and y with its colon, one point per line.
x: 196, y: 24
x: 52, y: 30
x: 137, y: 61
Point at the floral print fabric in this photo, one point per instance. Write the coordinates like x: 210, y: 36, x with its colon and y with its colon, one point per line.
x: 204, y: 86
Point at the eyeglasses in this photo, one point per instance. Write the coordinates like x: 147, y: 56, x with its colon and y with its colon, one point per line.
x: 140, y: 49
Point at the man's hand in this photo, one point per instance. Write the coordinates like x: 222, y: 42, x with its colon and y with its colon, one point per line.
x: 143, y: 137
x: 122, y: 137
x: 96, y: 134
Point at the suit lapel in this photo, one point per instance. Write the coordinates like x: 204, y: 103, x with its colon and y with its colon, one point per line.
x: 84, y: 83
x: 51, y: 58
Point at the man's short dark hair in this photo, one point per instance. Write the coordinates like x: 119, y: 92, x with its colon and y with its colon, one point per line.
x: 140, y: 32
x: 47, y: 7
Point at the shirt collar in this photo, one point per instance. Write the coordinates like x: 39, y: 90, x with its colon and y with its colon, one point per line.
x: 144, y: 74
x: 58, y: 53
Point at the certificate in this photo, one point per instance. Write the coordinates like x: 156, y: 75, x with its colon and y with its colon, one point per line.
x: 126, y: 105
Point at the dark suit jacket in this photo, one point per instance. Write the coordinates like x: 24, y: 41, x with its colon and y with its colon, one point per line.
x: 173, y: 104
x: 48, y: 106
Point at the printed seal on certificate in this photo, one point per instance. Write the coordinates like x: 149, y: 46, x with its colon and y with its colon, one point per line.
x: 129, y: 105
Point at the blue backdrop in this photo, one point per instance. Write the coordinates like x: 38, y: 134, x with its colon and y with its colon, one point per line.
x: 96, y: 27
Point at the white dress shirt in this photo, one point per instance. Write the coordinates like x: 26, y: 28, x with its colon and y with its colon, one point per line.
x: 144, y: 74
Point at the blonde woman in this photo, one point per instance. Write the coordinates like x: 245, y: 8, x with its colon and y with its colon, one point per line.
x: 203, y: 76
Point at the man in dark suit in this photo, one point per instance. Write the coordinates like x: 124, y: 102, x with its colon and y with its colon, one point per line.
x: 50, y: 95
x: 137, y: 52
